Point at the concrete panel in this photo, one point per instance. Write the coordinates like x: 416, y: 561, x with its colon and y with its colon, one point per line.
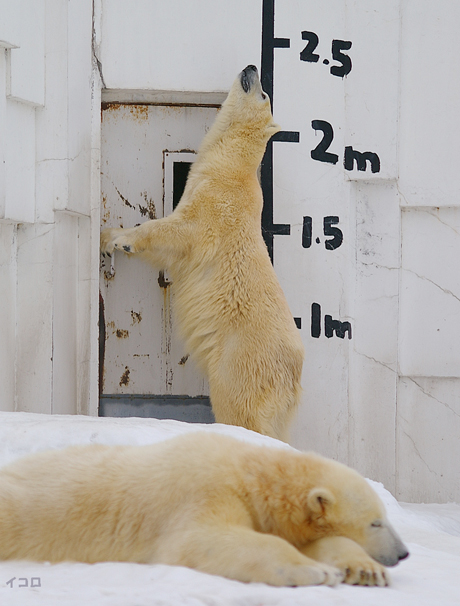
x: 79, y: 105
x: 2, y: 131
x: 35, y: 318
x: 52, y: 184
x: 52, y: 120
x: 373, y: 362
x: 28, y: 60
x: 20, y: 162
x: 10, y: 23
x: 372, y: 89
x: 372, y: 409
x: 428, y: 445
x: 178, y: 45
x: 429, y: 144
x: 65, y: 291
x: 430, y: 293
x: 321, y: 423
x: 83, y: 314
x: 7, y: 316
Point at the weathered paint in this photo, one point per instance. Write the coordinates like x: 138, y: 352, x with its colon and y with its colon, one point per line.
x: 151, y: 350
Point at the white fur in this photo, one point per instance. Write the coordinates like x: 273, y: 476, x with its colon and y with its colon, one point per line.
x: 229, y: 305
x: 201, y: 500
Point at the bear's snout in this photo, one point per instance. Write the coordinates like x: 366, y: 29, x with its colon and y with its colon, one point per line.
x: 385, y: 546
x: 248, y: 77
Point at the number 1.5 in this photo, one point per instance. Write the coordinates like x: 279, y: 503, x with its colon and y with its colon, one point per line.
x: 328, y: 230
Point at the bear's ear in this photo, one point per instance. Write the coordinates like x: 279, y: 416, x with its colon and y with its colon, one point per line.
x: 319, y: 500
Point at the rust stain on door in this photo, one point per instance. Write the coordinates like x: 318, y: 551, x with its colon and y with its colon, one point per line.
x: 136, y: 316
x: 124, y: 380
x: 121, y: 333
x: 149, y: 209
x: 166, y: 338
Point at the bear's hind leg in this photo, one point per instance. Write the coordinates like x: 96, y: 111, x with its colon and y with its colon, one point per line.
x: 232, y: 412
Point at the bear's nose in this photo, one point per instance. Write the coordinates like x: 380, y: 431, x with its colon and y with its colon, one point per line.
x: 403, y: 554
x: 248, y: 77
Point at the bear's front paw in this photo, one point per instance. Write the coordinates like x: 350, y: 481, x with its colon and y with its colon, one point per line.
x: 108, y: 238
x: 333, y: 576
x: 117, y: 238
x: 318, y: 574
x: 357, y: 566
x: 366, y: 572
x: 126, y: 245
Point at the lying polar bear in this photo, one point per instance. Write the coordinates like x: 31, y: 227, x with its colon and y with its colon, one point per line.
x: 228, y: 302
x: 205, y: 501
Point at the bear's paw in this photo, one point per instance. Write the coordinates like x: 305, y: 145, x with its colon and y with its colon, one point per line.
x: 108, y: 237
x: 117, y: 238
x: 366, y: 572
x: 296, y: 576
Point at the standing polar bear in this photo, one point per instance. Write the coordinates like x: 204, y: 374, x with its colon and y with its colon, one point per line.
x: 205, y: 501
x: 229, y: 305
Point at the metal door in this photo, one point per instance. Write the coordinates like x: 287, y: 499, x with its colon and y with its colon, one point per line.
x: 146, y: 151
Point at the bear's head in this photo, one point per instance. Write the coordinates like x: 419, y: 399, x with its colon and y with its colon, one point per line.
x: 249, y: 106
x: 312, y: 497
x: 244, y: 123
x: 349, y: 507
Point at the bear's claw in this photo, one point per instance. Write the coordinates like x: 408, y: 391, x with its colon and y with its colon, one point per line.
x: 361, y: 576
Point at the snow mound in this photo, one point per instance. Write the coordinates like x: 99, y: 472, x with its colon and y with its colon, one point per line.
x: 432, y: 532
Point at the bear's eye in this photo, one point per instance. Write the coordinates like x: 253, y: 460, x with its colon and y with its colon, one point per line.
x: 264, y: 96
x: 376, y: 524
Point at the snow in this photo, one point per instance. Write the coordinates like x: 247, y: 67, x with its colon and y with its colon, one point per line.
x: 431, y: 575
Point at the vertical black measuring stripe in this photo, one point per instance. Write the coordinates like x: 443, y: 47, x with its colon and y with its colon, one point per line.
x: 266, y: 77
x: 269, y: 43
x: 268, y: 35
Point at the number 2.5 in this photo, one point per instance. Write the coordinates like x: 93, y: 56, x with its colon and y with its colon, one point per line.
x: 337, y: 47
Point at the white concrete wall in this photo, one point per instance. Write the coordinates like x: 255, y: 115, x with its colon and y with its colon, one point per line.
x: 47, y: 270
x: 388, y: 400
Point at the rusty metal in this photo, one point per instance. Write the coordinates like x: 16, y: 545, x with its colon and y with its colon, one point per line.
x: 149, y: 209
x: 162, y: 281
x: 102, y: 338
x: 125, y: 201
x: 140, y: 358
x: 108, y: 106
x: 124, y: 380
x: 136, y: 316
